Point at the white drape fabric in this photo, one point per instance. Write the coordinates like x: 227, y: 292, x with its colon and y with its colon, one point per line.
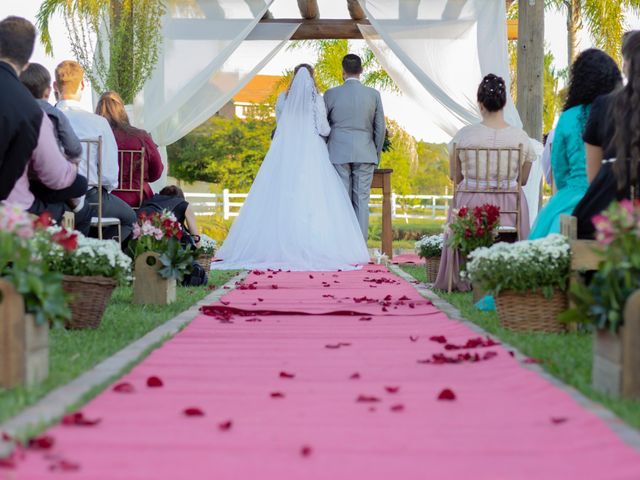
x: 438, y: 51
x: 210, y: 51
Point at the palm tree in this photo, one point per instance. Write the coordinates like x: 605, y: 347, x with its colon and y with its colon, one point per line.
x: 604, y: 19
x: 131, y: 28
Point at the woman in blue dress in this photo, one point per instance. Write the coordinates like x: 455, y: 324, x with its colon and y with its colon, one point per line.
x: 594, y: 73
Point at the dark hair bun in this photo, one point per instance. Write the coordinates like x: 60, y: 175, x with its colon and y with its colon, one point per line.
x: 492, y: 93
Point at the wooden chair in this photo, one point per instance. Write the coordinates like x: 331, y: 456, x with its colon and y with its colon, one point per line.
x: 99, y: 222
x: 505, y: 180
x: 583, y: 255
x: 136, y: 161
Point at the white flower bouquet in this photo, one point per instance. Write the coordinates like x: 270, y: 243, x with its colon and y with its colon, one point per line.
x: 525, y: 266
x: 430, y: 246
x: 208, y: 245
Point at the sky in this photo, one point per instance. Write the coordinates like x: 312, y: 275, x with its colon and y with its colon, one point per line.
x: 399, y: 108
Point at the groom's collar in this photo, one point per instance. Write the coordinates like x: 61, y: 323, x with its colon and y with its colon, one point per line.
x: 352, y: 79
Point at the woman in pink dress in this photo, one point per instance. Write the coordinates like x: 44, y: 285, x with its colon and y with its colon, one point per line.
x: 492, y: 132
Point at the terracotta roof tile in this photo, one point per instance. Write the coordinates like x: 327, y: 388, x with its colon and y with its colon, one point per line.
x: 259, y: 89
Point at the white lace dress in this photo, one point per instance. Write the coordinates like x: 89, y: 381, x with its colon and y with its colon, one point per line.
x: 298, y: 215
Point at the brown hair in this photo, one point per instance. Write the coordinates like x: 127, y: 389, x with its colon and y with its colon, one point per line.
x: 297, y: 69
x: 626, y: 115
x: 352, y: 64
x: 69, y: 76
x: 172, y: 191
x: 37, y: 79
x: 17, y: 39
x: 111, y: 107
x: 492, y: 93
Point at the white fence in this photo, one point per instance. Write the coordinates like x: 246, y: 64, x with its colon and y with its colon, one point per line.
x: 228, y: 205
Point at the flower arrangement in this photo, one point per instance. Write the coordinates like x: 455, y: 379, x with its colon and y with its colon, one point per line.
x: 208, y: 246
x: 474, y: 228
x: 525, y: 266
x: 91, y: 257
x: 430, y: 246
x: 161, y: 233
x: 21, y: 265
x: 602, y: 301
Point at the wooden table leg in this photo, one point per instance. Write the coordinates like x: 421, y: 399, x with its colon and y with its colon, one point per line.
x: 387, y: 222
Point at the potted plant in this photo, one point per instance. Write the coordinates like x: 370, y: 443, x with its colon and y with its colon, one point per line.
x: 206, y: 251
x: 31, y: 297
x: 602, y: 302
x: 528, y: 279
x: 474, y: 229
x: 429, y: 247
x: 160, y: 259
x: 91, y: 270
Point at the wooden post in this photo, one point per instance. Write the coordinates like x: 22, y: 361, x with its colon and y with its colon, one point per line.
x: 24, y: 346
x: 355, y: 10
x: 309, y: 9
x: 631, y: 347
x: 149, y: 288
x: 382, y: 179
x: 531, y: 65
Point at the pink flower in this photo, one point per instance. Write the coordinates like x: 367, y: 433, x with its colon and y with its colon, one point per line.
x: 158, y: 234
x: 136, y: 231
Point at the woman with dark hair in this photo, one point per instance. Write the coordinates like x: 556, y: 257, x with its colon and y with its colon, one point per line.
x: 492, y: 132
x: 612, y: 138
x: 111, y: 107
x: 594, y: 73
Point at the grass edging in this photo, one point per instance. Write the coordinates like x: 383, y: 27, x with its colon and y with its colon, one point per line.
x: 623, y: 430
x: 89, y: 384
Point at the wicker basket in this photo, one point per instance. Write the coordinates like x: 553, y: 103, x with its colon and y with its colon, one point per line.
x: 205, y: 261
x: 433, y: 265
x: 531, y: 312
x: 89, y: 297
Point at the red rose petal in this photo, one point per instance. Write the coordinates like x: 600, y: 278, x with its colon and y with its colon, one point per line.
x: 225, y: 426
x: 287, y: 375
x: 558, y: 420
x: 78, y: 419
x: 124, y: 387
x: 275, y: 287
x: 154, y: 382
x: 333, y: 346
x: 531, y: 360
x: 438, y: 339
x: 366, y: 319
x: 413, y: 339
x: 193, y: 412
x: 277, y: 395
x: 6, y: 437
x: 64, y: 466
x: 311, y: 277
x: 392, y: 389
x: 225, y: 303
x: 8, y: 463
x: 397, y: 408
x: 355, y: 376
x: 306, y: 451
x: 367, y: 399
x: 44, y: 442
x: 447, y: 394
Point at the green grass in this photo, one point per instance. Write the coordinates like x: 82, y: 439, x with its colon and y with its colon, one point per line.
x: 567, y: 356
x: 73, y: 352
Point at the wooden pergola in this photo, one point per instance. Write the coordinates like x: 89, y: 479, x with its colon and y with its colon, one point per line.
x: 528, y: 30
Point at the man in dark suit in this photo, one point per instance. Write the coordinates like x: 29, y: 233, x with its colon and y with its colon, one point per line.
x: 20, y: 115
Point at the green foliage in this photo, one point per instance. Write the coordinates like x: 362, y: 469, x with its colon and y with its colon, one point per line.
x: 116, y: 41
x: 176, y: 261
x: 432, y: 173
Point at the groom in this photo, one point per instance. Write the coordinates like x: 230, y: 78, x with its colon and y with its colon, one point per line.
x: 357, y: 135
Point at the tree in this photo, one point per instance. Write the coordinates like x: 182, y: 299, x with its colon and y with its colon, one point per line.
x: 605, y: 20
x: 116, y: 41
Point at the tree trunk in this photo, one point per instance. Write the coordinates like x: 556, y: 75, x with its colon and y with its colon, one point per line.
x: 531, y: 66
x: 574, y: 24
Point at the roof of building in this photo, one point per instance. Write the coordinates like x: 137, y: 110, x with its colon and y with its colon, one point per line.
x: 259, y: 89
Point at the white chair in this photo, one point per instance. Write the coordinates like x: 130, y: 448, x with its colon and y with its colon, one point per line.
x: 100, y: 222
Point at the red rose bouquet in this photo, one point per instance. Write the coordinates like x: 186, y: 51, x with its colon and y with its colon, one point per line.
x: 474, y: 228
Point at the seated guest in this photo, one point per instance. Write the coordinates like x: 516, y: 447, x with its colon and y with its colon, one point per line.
x: 492, y: 132
x: 111, y: 107
x: 69, y: 85
x: 172, y: 198
x: 20, y: 116
x: 612, y: 136
x: 593, y: 74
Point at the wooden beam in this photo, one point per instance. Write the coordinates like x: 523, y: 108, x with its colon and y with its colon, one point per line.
x: 323, y: 29
x: 531, y: 65
x: 309, y: 9
x: 355, y: 10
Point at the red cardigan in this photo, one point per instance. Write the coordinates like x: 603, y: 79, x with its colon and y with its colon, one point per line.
x: 153, y: 167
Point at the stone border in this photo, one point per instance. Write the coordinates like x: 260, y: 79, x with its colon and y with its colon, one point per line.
x: 57, y: 402
x: 626, y: 433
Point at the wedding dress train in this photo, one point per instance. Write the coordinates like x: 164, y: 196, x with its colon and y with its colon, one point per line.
x: 298, y: 215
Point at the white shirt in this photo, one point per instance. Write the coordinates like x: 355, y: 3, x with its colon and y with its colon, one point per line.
x: 546, y: 158
x: 89, y: 126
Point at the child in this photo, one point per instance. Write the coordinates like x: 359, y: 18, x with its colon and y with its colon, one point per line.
x: 38, y: 81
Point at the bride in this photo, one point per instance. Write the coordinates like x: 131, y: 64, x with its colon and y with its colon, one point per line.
x: 298, y: 215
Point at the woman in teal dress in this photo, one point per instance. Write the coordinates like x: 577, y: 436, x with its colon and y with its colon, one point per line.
x: 594, y: 73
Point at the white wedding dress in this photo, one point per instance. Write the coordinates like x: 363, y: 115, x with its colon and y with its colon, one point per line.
x: 298, y: 215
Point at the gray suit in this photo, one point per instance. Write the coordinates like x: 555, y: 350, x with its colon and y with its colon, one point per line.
x: 355, y: 143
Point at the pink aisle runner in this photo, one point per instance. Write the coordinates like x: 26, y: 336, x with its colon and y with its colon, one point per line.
x: 326, y: 396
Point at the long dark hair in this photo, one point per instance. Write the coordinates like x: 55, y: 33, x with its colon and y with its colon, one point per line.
x: 594, y: 73
x: 626, y: 115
